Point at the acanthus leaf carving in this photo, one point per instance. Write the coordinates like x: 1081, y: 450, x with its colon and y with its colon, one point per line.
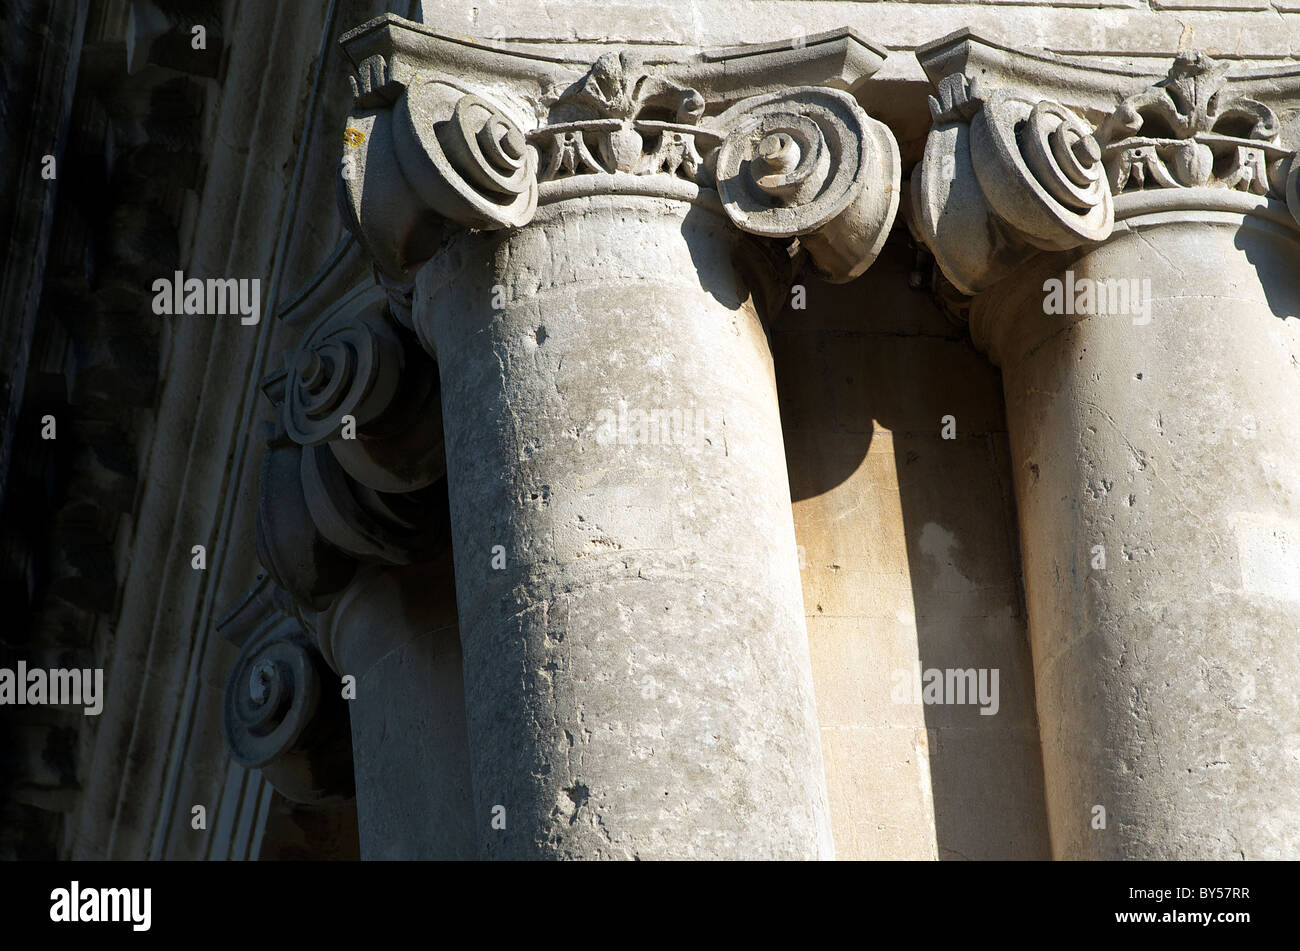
x: 957, y: 99
x: 622, y: 117
x: 674, y: 153
x: 567, y: 153
x: 619, y: 86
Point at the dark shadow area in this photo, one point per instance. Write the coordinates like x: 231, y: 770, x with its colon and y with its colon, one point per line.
x: 296, y: 832
x: 1270, y: 247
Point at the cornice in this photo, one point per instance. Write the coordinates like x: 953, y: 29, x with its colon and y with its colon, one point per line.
x: 387, y: 51
x: 1080, y: 85
x: 1086, y: 85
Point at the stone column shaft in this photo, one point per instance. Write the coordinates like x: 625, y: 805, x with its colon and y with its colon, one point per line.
x: 395, y: 631
x: 1158, y: 479
x: 637, y: 672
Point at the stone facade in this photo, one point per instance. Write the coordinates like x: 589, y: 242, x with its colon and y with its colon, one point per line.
x: 746, y: 429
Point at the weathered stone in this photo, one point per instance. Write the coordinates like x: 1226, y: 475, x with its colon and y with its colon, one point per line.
x: 1157, y: 508
x: 637, y: 678
x: 644, y: 210
x: 394, y: 633
x: 661, y: 548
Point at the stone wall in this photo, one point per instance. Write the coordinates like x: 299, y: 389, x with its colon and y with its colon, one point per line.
x: 911, y: 558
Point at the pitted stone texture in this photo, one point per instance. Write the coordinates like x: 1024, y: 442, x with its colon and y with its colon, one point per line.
x: 1165, y: 681
x: 637, y: 676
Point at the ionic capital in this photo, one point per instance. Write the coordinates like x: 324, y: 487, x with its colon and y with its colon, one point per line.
x: 280, y: 711
x: 452, y: 133
x: 1030, y: 153
x: 353, y: 452
x: 348, y: 487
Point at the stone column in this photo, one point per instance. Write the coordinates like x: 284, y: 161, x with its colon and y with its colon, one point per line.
x: 1136, y: 285
x: 350, y: 658
x: 637, y: 669
x: 591, y: 248
x: 395, y: 631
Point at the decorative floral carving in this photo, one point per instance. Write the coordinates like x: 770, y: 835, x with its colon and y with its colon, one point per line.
x: 958, y: 99
x: 622, y: 117
x: 1190, y: 130
x: 618, y: 86
x: 567, y: 152
x: 674, y: 153
x: 637, y: 147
